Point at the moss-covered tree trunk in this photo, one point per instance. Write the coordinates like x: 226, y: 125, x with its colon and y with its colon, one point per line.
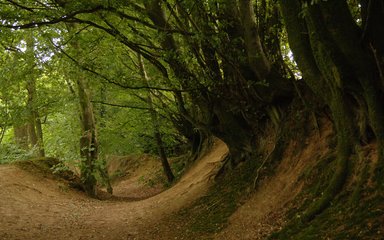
x: 35, y: 131
x: 3, y: 129
x: 238, y: 85
x: 326, y: 42
x: 20, y: 133
x: 89, y: 146
x: 88, y: 140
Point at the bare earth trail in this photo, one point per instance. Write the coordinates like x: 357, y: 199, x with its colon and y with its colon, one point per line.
x: 32, y: 207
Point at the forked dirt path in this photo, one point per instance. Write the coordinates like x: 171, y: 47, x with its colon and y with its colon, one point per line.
x: 35, y: 208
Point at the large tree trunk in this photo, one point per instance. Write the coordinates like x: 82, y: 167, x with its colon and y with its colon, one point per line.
x: 317, y: 64
x: 256, y: 56
x: 35, y: 131
x: 21, y: 136
x: 88, y: 141
x: 326, y: 43
x: 89, y: 146
x: 238, y: 85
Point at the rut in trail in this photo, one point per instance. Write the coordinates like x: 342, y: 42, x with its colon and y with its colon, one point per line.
x: 32, y: 207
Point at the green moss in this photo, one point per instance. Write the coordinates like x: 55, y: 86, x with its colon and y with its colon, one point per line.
x: 344, y: 144
x: 341, y: 220
x: 48, y: 167
x: 43, y: 166
x: 357, y: 193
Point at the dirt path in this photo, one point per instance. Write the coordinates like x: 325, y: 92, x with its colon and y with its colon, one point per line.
x: 35, y: 208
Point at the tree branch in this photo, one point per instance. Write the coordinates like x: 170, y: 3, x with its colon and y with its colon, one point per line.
x: 120, y: 105
x: 64, y: 18
x: 110, y: 80
x: 21, y: 6
x: 124, y: 40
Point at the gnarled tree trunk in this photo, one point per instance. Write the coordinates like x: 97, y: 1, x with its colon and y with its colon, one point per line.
x: 326, y: 43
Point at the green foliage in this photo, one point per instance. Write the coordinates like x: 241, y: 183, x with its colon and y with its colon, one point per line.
x: 197, y: 47
x: 62, y: 137
x: 355, y: 9
x: 10, y: 153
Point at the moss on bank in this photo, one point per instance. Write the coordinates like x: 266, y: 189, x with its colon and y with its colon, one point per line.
x: 48, y: 167
x: 356, y: 213
x: 210, y: 213
x: 341, y: 221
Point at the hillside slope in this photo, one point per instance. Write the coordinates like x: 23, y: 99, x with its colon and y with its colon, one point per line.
x: 32, y: 207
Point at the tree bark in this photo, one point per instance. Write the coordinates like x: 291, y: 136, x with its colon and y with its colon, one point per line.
x: 325, y: 72
x: 21, y: 136
x: 35, y: 131
x: 256, y: 56
x: 2, y: 133
x: 89, y: 146
x: 234, y: 86
x: 88, y: 141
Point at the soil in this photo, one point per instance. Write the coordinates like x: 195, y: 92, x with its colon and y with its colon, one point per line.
x: 265, y: 212
x: 34, y: 207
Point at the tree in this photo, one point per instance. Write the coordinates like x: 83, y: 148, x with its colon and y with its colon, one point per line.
x: 89, y: 146
x: 222, y: 63
x: 155, y: 123
x: 27, y: 128
x: 35, y: 131
x: 343, y: 71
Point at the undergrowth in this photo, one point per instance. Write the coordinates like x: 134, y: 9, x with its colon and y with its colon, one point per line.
x: 11, y: 153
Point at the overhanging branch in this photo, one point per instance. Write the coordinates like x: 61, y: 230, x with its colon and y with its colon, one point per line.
x: 21, y: 6
x: 120, y: 105
x: 64, y: 18
x: 112, y: 81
